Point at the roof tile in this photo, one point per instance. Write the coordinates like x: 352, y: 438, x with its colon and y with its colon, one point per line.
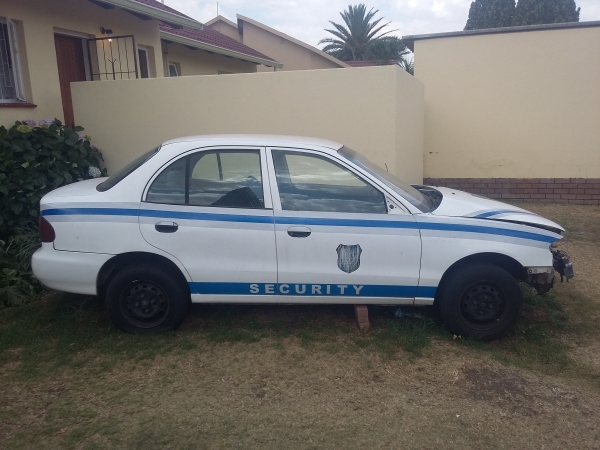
x: 211, y: 36
x: 159, y: 5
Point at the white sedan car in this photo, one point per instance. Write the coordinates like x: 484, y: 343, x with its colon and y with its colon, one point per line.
x: 275, y: 219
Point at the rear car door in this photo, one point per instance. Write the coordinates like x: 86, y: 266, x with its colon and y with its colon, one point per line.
x: 209, y: 210
x: 337, y: 235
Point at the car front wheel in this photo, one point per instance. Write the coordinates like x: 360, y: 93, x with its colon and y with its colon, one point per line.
x: 147, y: 299
x: 481, y: 301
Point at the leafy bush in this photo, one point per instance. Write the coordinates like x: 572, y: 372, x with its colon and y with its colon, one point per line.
x: 35, y: 160
x: 17, y: 283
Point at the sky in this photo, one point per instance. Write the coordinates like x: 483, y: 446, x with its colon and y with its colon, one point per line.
x: 307, y: 19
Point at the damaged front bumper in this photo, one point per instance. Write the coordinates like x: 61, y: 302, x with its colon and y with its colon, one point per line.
x: 542, y: 278
x: 562, y: 264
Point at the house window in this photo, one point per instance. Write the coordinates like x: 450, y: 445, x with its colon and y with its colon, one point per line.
x: 174, y: 70
x: 144, y: 63
x: 11, y: 85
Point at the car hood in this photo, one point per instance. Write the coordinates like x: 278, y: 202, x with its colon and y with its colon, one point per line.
x: 79, y: 189
x: 462, y: 204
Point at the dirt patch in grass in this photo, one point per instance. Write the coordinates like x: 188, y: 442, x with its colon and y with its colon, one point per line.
x: 305, y: 377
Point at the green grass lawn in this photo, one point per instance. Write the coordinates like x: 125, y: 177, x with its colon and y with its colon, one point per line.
x: 304, y: 376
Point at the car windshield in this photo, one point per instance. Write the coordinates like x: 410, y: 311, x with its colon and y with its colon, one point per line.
x: 125, y: 171
x: 405, y: 190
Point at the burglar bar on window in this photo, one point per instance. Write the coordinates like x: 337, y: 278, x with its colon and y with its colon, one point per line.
x: 113, y: 58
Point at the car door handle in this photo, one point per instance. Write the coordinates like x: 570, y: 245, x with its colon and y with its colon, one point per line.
x: 166, y: 227
x: 299, y: 232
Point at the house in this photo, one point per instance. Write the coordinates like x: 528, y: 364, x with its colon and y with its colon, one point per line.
x: 192, y: 51
x: 292, y: 53
x: 45, y: 45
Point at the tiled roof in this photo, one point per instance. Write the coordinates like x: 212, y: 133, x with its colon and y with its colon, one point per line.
x: 159, y: 5
x: 212, y: 37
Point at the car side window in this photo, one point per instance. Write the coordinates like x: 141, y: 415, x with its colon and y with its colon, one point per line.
x: 309, y: 182
x: 227, y: 178
x: 169, y: 186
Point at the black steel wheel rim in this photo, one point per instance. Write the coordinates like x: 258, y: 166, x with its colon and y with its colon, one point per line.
x: 483, y: 305
x: 144, y: 304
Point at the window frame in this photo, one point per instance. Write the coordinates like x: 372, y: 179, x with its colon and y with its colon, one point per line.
x: 147, y: 52
x: 177, y: 69
x: 333, y: 160
x: 266, y: 184
x: 15, y: 55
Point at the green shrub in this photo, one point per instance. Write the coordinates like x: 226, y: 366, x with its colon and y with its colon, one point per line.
x: 17, y: 283
x: 35, y: 160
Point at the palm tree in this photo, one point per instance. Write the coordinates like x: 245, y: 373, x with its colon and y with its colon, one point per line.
x: 354, y: 39
x: 408, y: 65
x: 387, y: 50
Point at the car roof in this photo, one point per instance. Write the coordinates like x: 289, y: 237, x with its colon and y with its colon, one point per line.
x: 271, y: 140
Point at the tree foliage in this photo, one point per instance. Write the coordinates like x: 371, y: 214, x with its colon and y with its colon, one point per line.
x: 490, y: 14
x: 387, y: 50
x: 504, y: 13
x: 408, y: 65
x: 33, y: 161
x: 36, y: 159
x: 362, y: 39
x: 352, y: 42
x: 535, y: 12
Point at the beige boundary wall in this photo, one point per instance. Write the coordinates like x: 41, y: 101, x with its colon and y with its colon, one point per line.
x: 375, y: 110
x: 519, y: 105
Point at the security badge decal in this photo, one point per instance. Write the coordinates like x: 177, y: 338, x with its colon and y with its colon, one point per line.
x: 348, y: 257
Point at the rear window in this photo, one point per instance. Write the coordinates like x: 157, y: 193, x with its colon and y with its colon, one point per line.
x: 125, y: 171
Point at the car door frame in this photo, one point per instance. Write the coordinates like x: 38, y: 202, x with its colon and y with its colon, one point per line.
x: 236, y: 295
x: 263, y: 170
x: 394, y: 205
x: 390, y: 196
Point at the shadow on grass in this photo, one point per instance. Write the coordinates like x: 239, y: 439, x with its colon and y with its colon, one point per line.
x: 71, y: 330
x: 538, y: 342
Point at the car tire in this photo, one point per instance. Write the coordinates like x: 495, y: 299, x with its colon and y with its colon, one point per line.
x: 480, y: 301
x: 147, y: 299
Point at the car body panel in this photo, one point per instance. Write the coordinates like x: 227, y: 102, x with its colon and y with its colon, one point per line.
x: 462, y: 204
x: 448, y: 240
x: 388, y: 246
x: 237, y: 255
x: 74, y: 272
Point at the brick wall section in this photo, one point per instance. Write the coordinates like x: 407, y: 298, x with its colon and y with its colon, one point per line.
x: 581, y: 191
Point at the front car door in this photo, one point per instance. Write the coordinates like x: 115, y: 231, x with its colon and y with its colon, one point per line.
x: 339, y: 238
x: 209, y: 210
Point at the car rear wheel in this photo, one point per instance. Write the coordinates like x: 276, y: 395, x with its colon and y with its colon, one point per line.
x: 147, y: 299
x: 481, y: 301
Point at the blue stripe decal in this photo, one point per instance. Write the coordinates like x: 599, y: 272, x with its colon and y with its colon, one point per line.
x: 158, y: 214
x: 426, y: 291
x: 91, y: 212
x: 322, y: 290
x: 300, y: 221
x: 346, y: 222
x: 205, y: 216
x: 487, y: 214
x: 487, y: 230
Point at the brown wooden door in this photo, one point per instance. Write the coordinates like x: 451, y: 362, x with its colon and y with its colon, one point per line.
x: 71, y: 67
